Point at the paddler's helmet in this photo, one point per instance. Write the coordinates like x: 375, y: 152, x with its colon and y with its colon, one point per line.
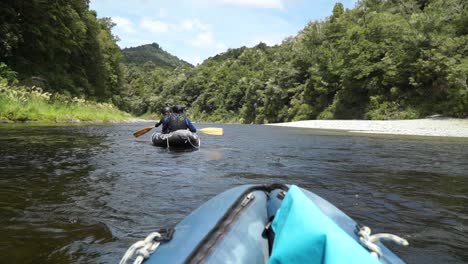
x: 178, y: 109
x: 166, y: 109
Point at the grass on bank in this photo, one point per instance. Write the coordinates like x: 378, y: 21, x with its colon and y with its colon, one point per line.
x: 31, y: 103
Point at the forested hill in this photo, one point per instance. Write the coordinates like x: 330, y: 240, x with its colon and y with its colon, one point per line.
x: 151, y: 55
x: 379, y: 60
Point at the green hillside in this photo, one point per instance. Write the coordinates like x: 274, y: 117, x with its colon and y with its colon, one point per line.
x: 151, y: 54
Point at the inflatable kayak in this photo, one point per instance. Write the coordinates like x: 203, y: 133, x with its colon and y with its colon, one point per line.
x: 265, y: 224
x: 176, y: 139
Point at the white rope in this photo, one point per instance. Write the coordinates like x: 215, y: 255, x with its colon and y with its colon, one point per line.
x: 141, y: 249
x: 165, y: 137
x: 199, y: 143
x: 187, y: 139
x: 369, y: 241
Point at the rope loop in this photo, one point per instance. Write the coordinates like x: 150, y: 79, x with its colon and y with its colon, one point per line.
x: 370, y: 241
x: 142, y: 249
x: 194, y: 146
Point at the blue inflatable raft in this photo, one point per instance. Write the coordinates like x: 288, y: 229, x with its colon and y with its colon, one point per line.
x: 265, y: 224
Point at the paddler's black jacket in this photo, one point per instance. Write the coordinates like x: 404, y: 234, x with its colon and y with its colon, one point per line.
x: 177, y: 121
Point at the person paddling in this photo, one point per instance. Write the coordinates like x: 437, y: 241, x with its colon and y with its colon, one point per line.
x: 177, y: 120
x: 166, y: 111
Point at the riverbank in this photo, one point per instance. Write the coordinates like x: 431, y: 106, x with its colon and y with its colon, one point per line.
x: 32, y: 104
x: 439, y: 127
x: 75, y: 121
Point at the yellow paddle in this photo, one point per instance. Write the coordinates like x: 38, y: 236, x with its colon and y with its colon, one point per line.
x: 216, y: 131
x: 142, y: 131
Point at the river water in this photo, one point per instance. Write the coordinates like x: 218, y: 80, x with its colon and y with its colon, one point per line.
x: 85, y: 193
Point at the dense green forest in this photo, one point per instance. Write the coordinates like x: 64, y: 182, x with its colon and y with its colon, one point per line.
x: 383, y: 59
x: 60, y: 46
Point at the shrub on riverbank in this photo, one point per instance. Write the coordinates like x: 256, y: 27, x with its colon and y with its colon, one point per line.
x: 19, y: 103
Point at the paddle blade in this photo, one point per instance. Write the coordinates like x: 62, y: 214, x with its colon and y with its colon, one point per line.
x: 217, y: 131
x: 142, y: 131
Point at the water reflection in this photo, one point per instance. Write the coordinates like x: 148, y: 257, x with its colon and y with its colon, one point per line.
x: 41, y: 174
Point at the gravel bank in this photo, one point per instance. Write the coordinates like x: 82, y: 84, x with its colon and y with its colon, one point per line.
x: 418, y: 127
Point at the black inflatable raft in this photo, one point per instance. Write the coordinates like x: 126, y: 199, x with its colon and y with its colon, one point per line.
x: 176, y: 139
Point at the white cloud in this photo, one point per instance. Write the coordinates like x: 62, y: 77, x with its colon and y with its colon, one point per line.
x: 203, y: 39
x: 186, y: 25
x: 154, y: 26
x: 193, y: 24
x: 269, y: 4
x: 162, y: 12
x: 124, y: 24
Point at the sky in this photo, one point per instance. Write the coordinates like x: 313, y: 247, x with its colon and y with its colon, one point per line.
x: 195, y: 30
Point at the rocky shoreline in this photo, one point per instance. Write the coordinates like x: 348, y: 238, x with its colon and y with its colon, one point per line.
x: 439, y: 127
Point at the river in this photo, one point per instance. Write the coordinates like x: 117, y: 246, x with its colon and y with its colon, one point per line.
x: 85, y: 193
